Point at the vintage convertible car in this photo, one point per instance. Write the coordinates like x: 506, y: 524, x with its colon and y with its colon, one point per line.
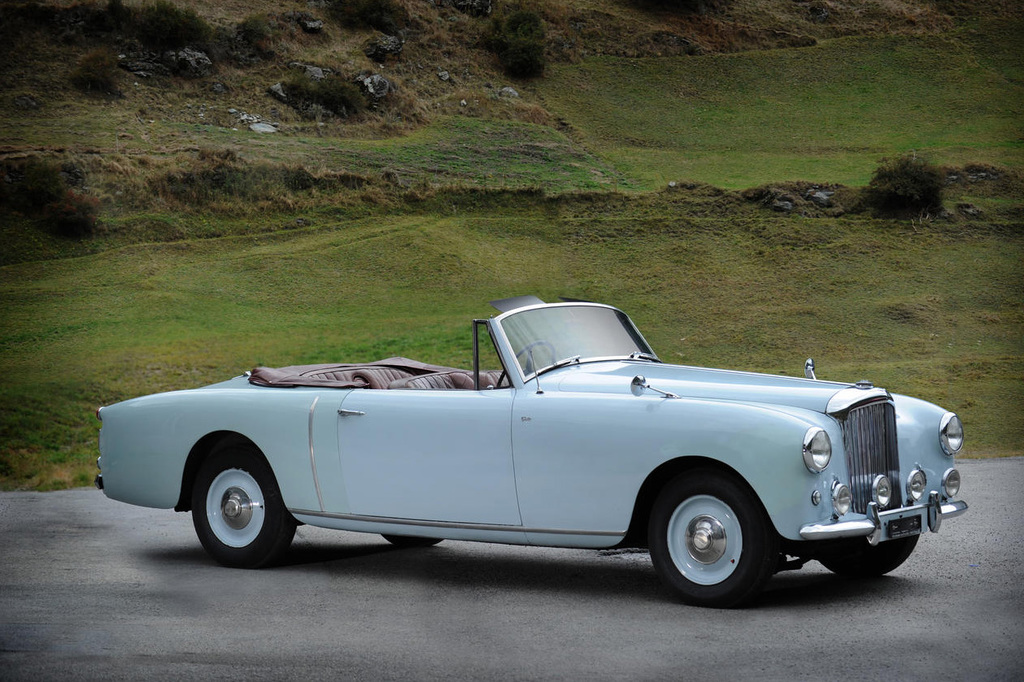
x: 578, y: 437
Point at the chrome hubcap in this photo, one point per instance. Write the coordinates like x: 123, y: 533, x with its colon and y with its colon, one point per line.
x: 706, y: 539
x: 236, y: 508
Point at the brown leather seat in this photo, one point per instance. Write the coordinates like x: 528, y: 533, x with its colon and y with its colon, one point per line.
x: 455, y: 380
x: 438, y: 380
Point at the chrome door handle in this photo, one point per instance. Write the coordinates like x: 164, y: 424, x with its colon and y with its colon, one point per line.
x: 351, y: 413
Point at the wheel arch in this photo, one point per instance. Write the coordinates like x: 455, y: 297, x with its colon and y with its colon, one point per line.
x: 204, y: 447
x: 636, y: 535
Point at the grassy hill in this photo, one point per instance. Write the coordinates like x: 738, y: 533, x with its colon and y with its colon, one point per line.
x: 218, y: 249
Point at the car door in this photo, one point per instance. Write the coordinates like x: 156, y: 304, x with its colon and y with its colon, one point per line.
x: 435, y: 454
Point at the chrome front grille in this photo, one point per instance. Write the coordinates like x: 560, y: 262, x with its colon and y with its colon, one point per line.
x: 869, y: 437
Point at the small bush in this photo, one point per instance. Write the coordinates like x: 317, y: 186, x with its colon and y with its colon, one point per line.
x: 255, y: 31
x: 908, y: 183
x: 340, y: 97
x: 518, y: 40
x: 40, y: 186
x: 74, y: 214
x: 96, y: 71
x: 118, y: 15
x: 164, y: 25
x: 386, y: 16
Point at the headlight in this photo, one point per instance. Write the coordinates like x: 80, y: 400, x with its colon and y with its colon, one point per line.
x: 917, y: 482
x: 951, y: 482
x: 817, y: 449
x: 842, y: 498
x: 951, y: 433
x: 881, y: 491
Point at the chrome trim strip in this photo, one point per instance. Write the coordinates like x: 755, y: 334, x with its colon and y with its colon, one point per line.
x: 312, y: 456
x: 454, y: 525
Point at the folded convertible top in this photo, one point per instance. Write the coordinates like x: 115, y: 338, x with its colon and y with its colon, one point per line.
x: 377, y: 374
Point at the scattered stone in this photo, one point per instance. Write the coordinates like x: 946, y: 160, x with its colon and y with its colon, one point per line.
x: 462, y: 103
x: 262, y: 128
x: 474, y: 8
x: 26, y: 102
x: 508, y: 91
x: 277, y: 92
x: 304, y: 20
x: 384, y: 46
x: 377, y: 86
x: 444, y: 75
x: 188, y: 62
x: 144, y: 65
x: 821, y: 197
x: 819, y: 13
x: 969, y: 210
x: 782, y: 205
x: 219, y: 88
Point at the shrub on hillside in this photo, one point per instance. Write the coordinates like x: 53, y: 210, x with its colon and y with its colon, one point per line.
x: 255, y: 30
x: 384, y: 15
x: 518, y: 41
x: 96, y: 71
x: 74, y: 214
x: 907, y: 183
x: 340, y: 97
x: 118, y: 14
x: 40, y: 185
x: 164, y: 25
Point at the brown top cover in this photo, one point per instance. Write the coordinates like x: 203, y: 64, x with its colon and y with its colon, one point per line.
x: 377, y: 374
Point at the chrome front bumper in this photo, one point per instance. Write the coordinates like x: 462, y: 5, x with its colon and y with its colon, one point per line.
x: 875, y: 527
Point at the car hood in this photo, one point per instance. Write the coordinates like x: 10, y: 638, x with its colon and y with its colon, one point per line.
x: 697, y: 382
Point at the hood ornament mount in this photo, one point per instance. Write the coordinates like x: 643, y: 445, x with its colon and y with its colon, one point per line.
x: 809, y: 369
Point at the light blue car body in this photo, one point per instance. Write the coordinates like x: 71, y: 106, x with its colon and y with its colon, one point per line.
x: 562, y: 457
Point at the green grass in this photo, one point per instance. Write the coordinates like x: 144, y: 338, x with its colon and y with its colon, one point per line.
x: 181, y: 286
x: 825, y: 113
x: 747, y: 290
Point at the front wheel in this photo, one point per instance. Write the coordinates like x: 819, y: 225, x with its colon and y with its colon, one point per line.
x: 237, y: 509
x: 866, y: 561
x: 711, y: 542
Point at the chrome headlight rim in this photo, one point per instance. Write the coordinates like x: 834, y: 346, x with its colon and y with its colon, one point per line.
x: 817, y: 449
x: 951, y: 434
x: 881, y: 491
x: 917, y: 484
x: 842, y: 499
x: 951, y: 482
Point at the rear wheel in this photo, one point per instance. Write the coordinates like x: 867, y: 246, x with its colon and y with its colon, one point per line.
x: 710, y: 540
x: 867, y: 561
x: 237, y: 509
x: 410, y: 541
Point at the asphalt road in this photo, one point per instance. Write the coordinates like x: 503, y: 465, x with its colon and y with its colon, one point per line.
x: 95, y: 589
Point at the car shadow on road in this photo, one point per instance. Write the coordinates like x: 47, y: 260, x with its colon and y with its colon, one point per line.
x: 572, y: 573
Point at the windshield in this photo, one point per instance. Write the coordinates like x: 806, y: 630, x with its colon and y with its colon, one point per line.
x: 557, y: 334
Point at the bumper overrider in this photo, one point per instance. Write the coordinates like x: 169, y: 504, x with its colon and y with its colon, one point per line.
x: 889, y: 525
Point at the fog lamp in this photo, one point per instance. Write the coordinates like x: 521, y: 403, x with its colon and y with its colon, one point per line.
x: 917, y: 482
x: 842, y: 498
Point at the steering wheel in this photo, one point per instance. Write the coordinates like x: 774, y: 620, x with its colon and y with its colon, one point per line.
x: 526, y: 356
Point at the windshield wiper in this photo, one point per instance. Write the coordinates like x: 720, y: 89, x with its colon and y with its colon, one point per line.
x: 640, y: 355
x: 561, y: 363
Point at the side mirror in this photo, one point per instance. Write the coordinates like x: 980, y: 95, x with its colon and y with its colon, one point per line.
x: 639, y: 384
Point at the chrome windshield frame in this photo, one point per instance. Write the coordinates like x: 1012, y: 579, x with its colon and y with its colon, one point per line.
x: 508, y: 354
